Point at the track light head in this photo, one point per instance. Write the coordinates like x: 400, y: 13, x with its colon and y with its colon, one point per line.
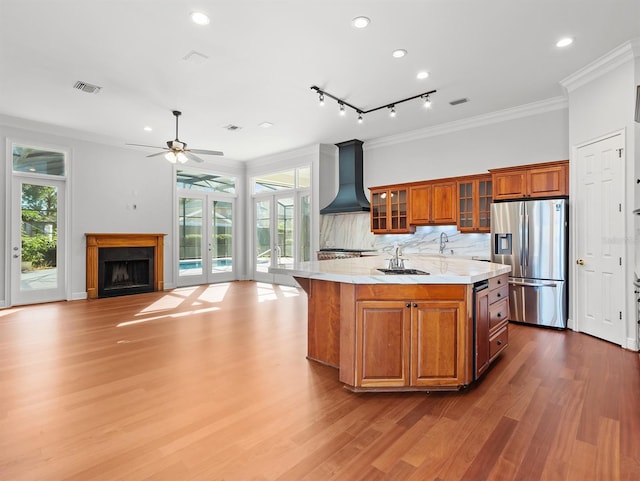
x: 359, y: 117
x: 321, y: 98
x: 342, y: 111
x: 392, y: 111
x: 427, y: 102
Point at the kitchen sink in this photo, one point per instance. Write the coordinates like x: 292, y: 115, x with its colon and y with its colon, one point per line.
x: 404, y: 271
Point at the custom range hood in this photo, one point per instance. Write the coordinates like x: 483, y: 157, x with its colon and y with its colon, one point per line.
x: 350, y: 196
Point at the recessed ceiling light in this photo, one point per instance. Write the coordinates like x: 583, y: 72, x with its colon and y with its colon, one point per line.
x: 399, y: 53
x: 265, y: 125
x: 564, y: 42
x: 422, y: 75
x: 360, y: 22
x: 200, y: 18
x: 148, y: 129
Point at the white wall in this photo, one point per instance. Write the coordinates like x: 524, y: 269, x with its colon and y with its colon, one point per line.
x: 525, y: 140
x: 105, y: 182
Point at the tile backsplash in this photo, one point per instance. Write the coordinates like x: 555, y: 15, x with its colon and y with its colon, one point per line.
x: 352, y: 231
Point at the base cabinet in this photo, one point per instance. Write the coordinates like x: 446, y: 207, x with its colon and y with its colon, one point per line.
x: 492, y: 319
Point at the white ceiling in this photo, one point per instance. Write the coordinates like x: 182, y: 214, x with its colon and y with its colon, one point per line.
x: 263, y: 57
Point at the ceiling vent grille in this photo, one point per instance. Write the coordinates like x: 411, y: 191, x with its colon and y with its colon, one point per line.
x: 459, y: 101
x: 231, y: 127
x: 85, y: 87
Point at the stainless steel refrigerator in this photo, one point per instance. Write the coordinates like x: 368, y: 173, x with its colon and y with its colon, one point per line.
x: 532, y: 237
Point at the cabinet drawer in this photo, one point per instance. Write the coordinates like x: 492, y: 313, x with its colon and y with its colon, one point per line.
x: 498, y: 342
x: 499, y: 294
x: 500, y: 281
x: 498, y: 313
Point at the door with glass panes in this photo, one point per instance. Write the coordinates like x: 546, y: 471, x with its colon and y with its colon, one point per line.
x: 38, y: 250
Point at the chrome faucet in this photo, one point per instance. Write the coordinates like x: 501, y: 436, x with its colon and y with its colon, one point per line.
x: 396, y: 262
x: 444, y: 238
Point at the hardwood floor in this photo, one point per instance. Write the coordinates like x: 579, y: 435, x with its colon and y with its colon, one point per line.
x: 211, y: 383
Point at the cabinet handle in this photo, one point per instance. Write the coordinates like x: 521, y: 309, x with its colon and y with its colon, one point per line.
x: 499, y: 314
x: 499, y: 342
x: 407, y: 304
x: 499, y: 282
x: 499, y: 295
x: 415, y: 305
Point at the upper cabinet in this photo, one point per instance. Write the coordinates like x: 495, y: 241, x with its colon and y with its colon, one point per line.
x: 390, y: 210
x: 433, y: 203
x: 474, y: 203
x: 550, y: 179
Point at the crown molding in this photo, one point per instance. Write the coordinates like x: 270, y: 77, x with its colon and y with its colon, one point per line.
x: 603, y: 65
x: 527, y: 110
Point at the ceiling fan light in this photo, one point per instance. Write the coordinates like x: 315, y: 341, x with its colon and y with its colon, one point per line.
x: 171, y: 157
x: 181, y: 157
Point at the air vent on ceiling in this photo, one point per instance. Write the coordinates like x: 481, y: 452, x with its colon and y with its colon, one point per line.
x: 85, y: 87
x: 195, y: 57
x: 231, y: 127
x: 459, y: 101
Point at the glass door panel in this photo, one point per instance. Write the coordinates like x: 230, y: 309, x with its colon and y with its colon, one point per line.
x: 263, y: 235
x: 285, y: 223
x: 221, y: 244
x: 190, y: 227
x: 38, y: 240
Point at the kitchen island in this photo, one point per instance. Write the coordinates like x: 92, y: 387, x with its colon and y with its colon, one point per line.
x: 405, y: 332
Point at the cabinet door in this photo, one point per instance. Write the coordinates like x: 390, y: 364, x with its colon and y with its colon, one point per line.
x: 420, y: 204
x: 547, y: 181
x: 382, y: 343
x: 378, y: 211
x: 483, y: 327
x: 443, y: 203
x: 484, y: 198
x: 466, y: 206
x: 399, y: 210
x: 510, y: 185
x: 437, y: 344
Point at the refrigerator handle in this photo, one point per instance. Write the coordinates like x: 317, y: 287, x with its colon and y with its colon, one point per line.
x: 522, y: 235
x: 525, y: 239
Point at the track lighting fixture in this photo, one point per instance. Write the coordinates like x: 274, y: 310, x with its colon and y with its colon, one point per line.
x: 392, y: 106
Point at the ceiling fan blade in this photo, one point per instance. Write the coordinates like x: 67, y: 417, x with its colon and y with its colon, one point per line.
x: 155, y: 155
x: 193, y: 157
x: 142, y: 145
x: 207, y: 152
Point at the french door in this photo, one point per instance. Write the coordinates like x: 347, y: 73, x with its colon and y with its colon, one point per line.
x: 37, y: 240
x: 205, y: 239
x: 281, y: 233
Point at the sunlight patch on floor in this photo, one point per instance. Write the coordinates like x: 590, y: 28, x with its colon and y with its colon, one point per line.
x: 172, y: 316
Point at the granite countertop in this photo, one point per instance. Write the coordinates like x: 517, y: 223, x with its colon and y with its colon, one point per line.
x: 442, y: 269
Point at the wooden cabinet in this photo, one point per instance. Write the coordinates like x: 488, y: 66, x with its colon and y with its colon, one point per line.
x: 433, y: 203
x: 405, y: 337
x: 390, y: 210
x: 550, y: 179
x: 474, y: 203
x: 409, y: 343
x: 492, y: 322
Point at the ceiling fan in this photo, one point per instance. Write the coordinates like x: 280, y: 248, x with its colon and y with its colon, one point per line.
x: 177, y: 151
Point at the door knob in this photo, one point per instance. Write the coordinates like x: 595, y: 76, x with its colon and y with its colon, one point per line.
x: 580, y: 262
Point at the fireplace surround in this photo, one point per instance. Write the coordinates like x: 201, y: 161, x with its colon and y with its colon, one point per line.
x: 132, y: 263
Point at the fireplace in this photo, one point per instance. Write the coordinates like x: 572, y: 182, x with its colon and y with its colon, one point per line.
x: 125, y: 270
x: 122, y: 264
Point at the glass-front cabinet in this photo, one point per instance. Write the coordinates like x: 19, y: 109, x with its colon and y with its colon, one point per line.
x: 474, y: 203
x: 390, y: 211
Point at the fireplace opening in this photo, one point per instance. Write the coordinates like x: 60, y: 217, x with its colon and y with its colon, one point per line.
x: 125, y: 270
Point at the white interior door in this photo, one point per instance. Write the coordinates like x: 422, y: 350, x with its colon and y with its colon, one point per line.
x: 37, y: 240
x: 205, y: 239
x: 599, y: 207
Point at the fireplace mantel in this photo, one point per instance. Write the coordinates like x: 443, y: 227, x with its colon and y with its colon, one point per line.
x: 96, y: 241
